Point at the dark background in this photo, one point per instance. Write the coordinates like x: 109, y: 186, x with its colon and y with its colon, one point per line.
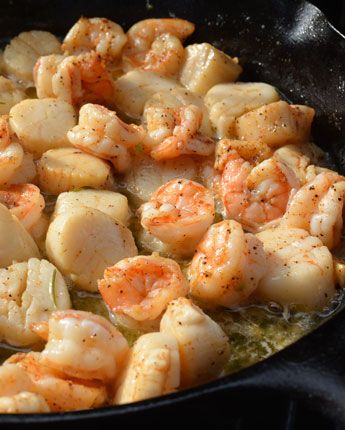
x: 334, y: 10
x: 297, y: 417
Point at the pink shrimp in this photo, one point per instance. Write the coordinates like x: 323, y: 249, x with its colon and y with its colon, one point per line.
x: 25, y: 202
x: 75, y: 79
x: 178, y: 214
x: 256, y: 195
x: 139, y: 289
x: 155, y: 45
x: 185, y: 137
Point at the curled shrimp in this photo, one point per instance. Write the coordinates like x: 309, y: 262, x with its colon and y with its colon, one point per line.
x: 303, y: 159
x: 100, y: 132
x: 185, y: 137
x: 11, y: 153
x: 161, y: 114
x: 139, y: 289
x: 160, y: 123
x: 165, y: 56
x: 178, y: 214
x: 24, y: 201
x: 44, y: 69
x: 152, y: 44
x: 14, y: 380
x: 100, y: 347
x: 99, y: 34
x: 60, y: 392
x: 256, y: 195
x: 16, y: 392
x: 318, y: 208
x: 23, y: 403
x: 74, y: 79
x: 227, y: 266
x: 153, y: 369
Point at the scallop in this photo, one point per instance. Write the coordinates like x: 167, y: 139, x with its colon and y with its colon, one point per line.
x: 10, y: 95
x: 16, y: 244
x: 135, y: 87
x: 29, y: 292
x: 203, y: 346
x: 42, y: 124
x: 83, y: 242
x: 65, y: 169
x: 226, y: 102
x: 206, y: 66
x: 113, y: 204
x: 23, y: 51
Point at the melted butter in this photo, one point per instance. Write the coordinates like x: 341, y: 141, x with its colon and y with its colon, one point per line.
x: 257, y: 331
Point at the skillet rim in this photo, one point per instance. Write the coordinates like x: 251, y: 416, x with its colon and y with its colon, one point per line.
x: 241, y: 379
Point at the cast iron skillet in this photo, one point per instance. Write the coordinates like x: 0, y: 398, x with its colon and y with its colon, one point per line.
x: 289, y: 44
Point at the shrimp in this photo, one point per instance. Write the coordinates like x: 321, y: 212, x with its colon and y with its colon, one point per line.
x: 160, y: 123
x: 99, y: 34
x: 318, y: 208
x: 60, y: 392
x: 227, y: 266
x: 44, y: 69
x: 100, y: 347
x: 165, y: 56
x: 162, y: 110
x: 11, y: 152
x: 162, y: 55
x: 24, y: 201
x: 292, y: 156
x: 101, y: 133
x: 16, y: 392
x: 153, y: 369
x: 23, y: 403
x: 14, y: 380
x: 302, y: 159
x: 250, y: 150
x: 299, y: 269
x: 204, y: 347
x: 74, y: 79
x: 256, y: 195
x: 185, y: 137
x: 139, y: 289
x: 178, y: 214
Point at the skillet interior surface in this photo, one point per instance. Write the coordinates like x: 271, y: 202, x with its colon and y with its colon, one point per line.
x: 288, y: 44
